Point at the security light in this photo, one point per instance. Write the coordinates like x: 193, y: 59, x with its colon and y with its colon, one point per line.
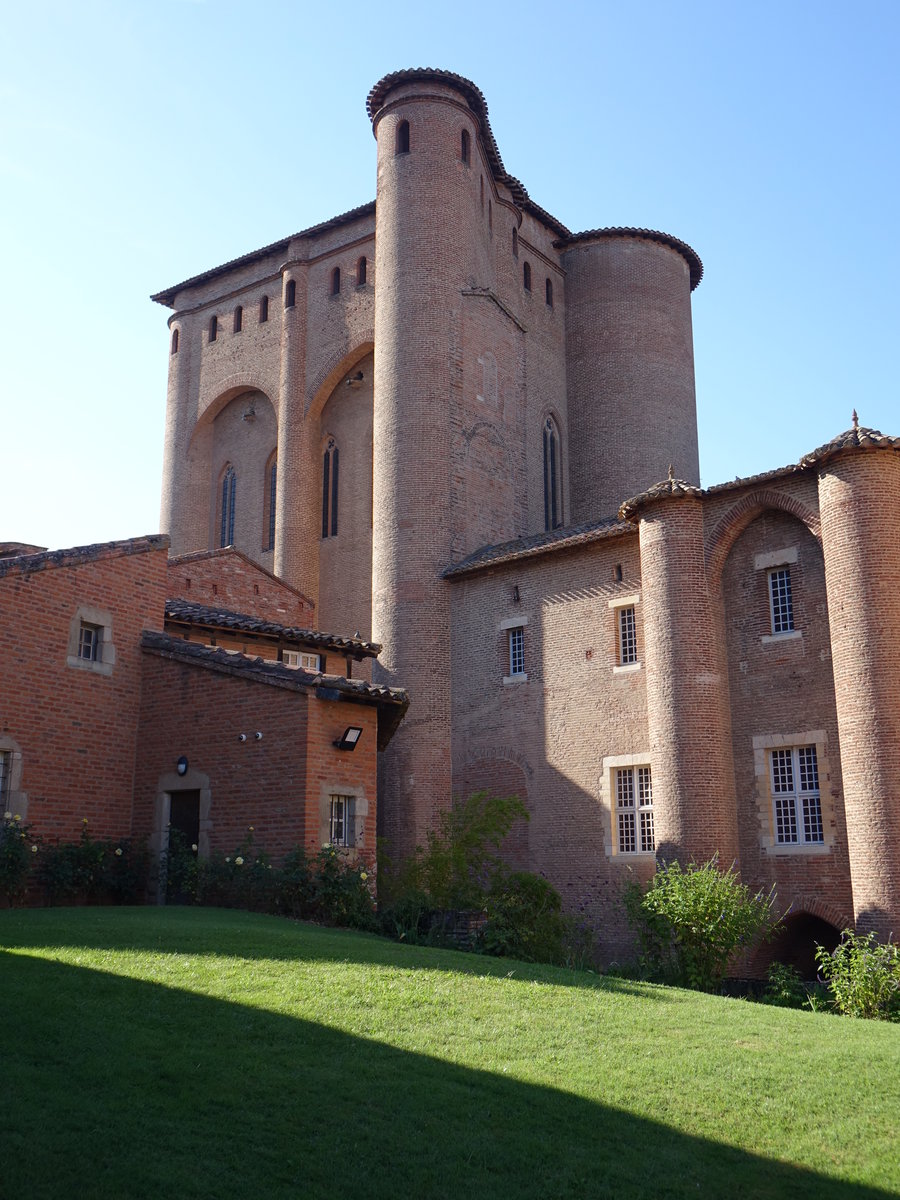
x: 348, y: 739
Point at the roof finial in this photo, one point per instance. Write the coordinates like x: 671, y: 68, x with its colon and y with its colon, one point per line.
x: 855, y: 420
x: 671, y: 471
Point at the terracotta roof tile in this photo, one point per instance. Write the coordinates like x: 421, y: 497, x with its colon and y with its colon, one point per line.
x: 223, y: 618
x: 24, y: 564
x: 671, y: 487
x: 538, y: 543
x: 855, y: 438
x: 690, y: 255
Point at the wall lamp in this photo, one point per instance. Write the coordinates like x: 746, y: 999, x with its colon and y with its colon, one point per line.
x: 348, y: 739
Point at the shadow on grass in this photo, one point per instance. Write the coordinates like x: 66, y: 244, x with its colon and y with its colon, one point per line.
x: 144, y: 1090
x: 236, y: 933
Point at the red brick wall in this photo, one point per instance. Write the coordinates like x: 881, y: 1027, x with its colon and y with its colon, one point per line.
x: 77, y: 729
x: 226, y: 579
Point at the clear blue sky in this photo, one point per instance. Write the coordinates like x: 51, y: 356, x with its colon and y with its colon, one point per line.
x: 146, y: 141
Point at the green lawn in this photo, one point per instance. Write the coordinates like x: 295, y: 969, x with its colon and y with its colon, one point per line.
x: 174, y: 1053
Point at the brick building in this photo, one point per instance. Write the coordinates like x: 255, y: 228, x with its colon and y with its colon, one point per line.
x: 133, y: 708
x: 463, y: 430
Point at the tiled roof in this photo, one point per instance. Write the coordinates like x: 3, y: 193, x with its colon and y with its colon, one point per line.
x: 223, y: 618
x: 538, y: 543
x: 24, y: 564
x: 679, y: 488
x: 690, y: 255
x: 392, y: 702
x: 478, y: 104
x: 762, y: 477
x: 855, y: 438
x: 167, y: 295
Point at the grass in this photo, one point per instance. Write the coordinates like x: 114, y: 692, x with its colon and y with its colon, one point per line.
x: 205, y: 1053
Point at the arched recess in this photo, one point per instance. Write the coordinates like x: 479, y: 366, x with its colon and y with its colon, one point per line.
x: 337, y: 369
x: 239, y: 427
x: 500, y: 772
x: 730, y: 527
x: 270, y: 488
x: 807, y: 923
x: 552, y: 462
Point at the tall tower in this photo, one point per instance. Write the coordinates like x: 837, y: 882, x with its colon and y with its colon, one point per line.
x: 425, y: 212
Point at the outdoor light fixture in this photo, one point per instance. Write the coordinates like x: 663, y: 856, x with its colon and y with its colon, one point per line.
x: 182, y: 765
x: 348, y: 739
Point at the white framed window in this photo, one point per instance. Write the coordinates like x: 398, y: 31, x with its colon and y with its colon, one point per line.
x: 634, y: 810
x: 516, y: 650
x: 299, y: 658
x: 796, y: 799
x: 342, y: 820
x: 781, y: 601
x: 90, y: 642
x: 627, y: 636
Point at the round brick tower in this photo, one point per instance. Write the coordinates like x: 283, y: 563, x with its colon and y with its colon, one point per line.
x: 426, y: 210
x: 630, y: 365
x: 695, y: 814
x: 175, y: 520
x: 859, y: 501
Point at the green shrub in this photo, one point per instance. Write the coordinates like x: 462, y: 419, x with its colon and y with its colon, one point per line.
x: 93, y: 870
x: 785, y: 988
x: 525, y: 920
x: 19, y: 845
x: 863, y: 975
x: 691, y: 922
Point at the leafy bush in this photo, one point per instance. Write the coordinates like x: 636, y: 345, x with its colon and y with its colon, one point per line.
x: 18, y: 846
x: 93, y: 869
x: 525, y: 919
x: 691, y: 922
x: 863, y: 975
x: 785, y: 988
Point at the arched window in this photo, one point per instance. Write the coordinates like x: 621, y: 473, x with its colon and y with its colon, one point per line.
x: 213, y: 328
x: 263, y: 309
x: 552, y: 479
x: 226, y: 525
x: 175, y: 341
x: 336, y: 281
x: 238, y: 319
x: 403, y: 138
x: 269, y: 484
x: 330, y: 490
x: 515, y: 241
x: 290, y: 294
x: 361, y: 271
x: 464, y: 148
x: 526, y: 276
x: 548, y: 292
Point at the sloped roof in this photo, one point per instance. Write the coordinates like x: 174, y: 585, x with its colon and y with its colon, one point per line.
x: 678, y: 488
x: 691, y: 257
x: 856, y: 438
x: 538, y: 543
x: 25, y: 564
x: 223, y: 618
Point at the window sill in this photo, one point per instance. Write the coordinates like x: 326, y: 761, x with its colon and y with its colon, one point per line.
x: 771, y: 639
x: 85, y: 664
x: 626, y: 668
x: 508, y: 679
x: 780, y: 849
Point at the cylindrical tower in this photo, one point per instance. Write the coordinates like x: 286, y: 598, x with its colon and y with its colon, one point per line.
x: 426, y: 204
x: 173, y: 517
x: 630, y: 365
x: 296, y: 531
x: 688, y: 713
x: 859, y: 501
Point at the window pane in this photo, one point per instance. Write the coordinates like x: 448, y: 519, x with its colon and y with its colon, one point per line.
x: 517, y: 651
x: 782, y: 601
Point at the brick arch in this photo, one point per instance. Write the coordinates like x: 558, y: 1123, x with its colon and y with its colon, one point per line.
x: 224, y: 391
x: 804, y: 903
x: 502, y: 772
x: 747, y: 509
x: 336, y: 367
x: 221, y: 401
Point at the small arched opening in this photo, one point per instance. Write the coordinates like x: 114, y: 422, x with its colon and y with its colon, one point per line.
x: 795, y: 943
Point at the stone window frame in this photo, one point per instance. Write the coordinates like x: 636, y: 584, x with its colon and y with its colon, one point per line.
x: 763, y: 745
x: 617, y: 604
x: 511, y: 627
x: 771, y: 562
x: 16, y: 801
x: 99, y: 618
x: 612, y: 764
x: 359, y: 806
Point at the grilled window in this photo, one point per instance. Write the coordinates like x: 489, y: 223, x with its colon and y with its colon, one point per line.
x: 634, y: 810
x: 342, y: 821
x: 796, y: 797
x: 627, y: 637
x: 781, y: 600
x: 5, y: 777
x: 517, y: 650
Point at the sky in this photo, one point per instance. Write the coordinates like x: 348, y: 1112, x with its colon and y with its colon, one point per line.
x: 144, y: 142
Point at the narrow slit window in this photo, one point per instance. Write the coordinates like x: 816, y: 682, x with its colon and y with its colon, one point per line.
x: 515, y: 243
x: 361, y: 272
x: 229, y: 493
x: 490, y: 216
x: 238, y: 319
x: 526, y: 276
x: 336, y: 281
x: 403, y: 138
x: 271, y: 482
x: 548, y: 292
x: 552, y: 481
x: 174, y: 341
x: 627, y: 636
x: 330, y: 471
x: 464, y: 147
x: 290, y: 293
x: 263, y: 309
x: 517, y: 650
x: 213, y: 328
